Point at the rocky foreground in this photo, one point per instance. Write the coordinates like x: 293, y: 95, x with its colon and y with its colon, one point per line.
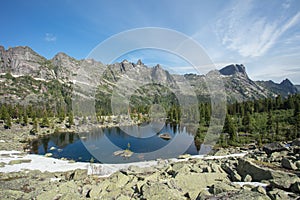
x: 268, y: 173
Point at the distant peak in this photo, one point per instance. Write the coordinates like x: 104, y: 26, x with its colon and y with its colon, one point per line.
x: 286, y: 82
x: 139, y: 62
x: 233, y: 69
x: 62, y: 55
x: 125, y: 61
x: 157, y: 66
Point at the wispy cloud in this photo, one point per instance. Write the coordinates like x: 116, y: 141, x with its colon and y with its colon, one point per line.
x: 286, y: 4
x: 49, y: 37
x: 252, y: 34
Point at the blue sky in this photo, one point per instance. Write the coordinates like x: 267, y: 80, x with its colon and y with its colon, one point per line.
x: 263, y: 35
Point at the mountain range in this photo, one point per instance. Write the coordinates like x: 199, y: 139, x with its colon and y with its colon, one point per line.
x: 27, y: 77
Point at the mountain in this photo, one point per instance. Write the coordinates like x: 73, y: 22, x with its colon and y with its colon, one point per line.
x: 27, y: 77
x: 284, y: 88
x: 239, y: 86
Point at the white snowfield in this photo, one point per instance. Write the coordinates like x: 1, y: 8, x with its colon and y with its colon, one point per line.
x: 43, y: 163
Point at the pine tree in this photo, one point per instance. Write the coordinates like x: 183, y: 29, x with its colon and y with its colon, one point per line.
x: 246, y: 122
x: 230, y: 129
x: 207, y: 113
x: 8, y: 123
x: 296, y: 119
x: 70, y: 119
x: 270, y: 122
x: 45, y: 122
x: 25, y: 118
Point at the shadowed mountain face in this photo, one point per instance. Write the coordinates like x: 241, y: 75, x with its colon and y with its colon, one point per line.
x: 234, y: 69
x: 28, y: 77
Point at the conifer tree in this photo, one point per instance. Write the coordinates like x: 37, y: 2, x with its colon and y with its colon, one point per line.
x: 70, y: 119
x: 230, y: 129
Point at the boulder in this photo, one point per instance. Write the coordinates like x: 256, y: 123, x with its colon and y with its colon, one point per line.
x: 184, y: 156
x: 277, y: 156
x: 134, y: 170
x: 48, y: 154
x: 204, y: 194
x: 296, y: 142
x: 233, y: 175
x: 247, y: 178
x: 78, y: 174
x: 221, y: 152
x: 160, y: 191
x: 192, y: 183
x: 242, y: 194
x: 288, y: 164
x: 284, y: 182
x: 220, y: 187
x: 216, y: 168
x: 119, y: 179
x: 277, y: 194
x: 258, y: 173
x: 295, y: 187
x: 297, y: 164
x: 273, y: 147
x: 68, y: 187
x: 259, y: 189
x: 13, y: 162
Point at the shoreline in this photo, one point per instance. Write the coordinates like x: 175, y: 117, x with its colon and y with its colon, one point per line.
x: 43, y: 163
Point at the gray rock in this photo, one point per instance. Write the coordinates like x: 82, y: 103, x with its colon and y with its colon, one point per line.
x: 247, y: 178
x: 48, y: 154
x: 86, y: 190
x: 297, y: 164
x: 242, y: 194
x: 234, y: 176
x: 2, y: 164
x: 184, y: 156
x: 296, y: 187
x: 284, y: 182
x: 216, y: 168
x: 49, y: 195
x: 11, y: 194
x: 221, y: 152
x: 221, y: 187
x: 259, y: 189
x: 277, y: 194
x: 138, y: 170
x: 193, y: 183
x: 204, y: 194
x: 296, y: 142
x: 78, y: 174
x: 273, y: 147
x: 119, y: 179
x: 258, y: 173
x: 288, y: 164
x: 160, y: 191
x: 14, y: 162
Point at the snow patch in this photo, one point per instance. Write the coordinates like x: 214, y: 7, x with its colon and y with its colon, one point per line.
x: 43, y: 163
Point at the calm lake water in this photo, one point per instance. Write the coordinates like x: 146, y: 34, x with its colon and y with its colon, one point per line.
x: 101, y: 143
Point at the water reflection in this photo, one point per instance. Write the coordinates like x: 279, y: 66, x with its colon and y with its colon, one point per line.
x: 100, y: 144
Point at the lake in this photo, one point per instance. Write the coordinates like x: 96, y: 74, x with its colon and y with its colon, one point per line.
x: 100, y: 144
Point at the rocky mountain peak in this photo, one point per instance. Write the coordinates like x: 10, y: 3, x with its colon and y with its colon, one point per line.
x: 287, y: 83
x: 139, y: 62
x: 234, y: 69
x: 289, y: 86
x: 157, y: 66
x: 62, y: 56
x: 20, y: 60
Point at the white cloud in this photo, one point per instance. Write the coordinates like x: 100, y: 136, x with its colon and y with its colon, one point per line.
x: 251, y: 34
x: 49, y: 37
